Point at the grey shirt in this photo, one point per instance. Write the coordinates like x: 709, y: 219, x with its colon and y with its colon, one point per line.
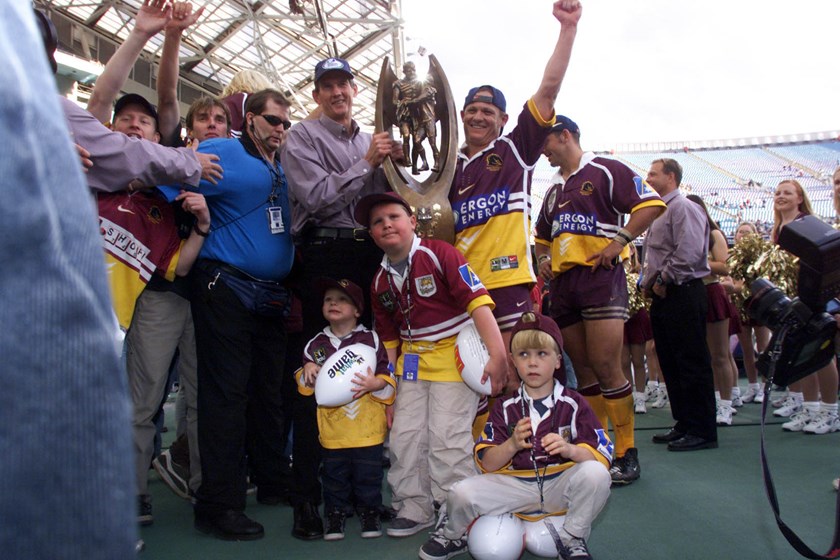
x: 118, y: 159
x: 328, y: 173
x: 677, y: 243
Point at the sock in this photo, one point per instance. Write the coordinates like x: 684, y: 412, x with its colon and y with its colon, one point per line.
x: 619, y: 406
x: 830, y: 408
x: 812, y: 407
x: 653, y: 383
x: 756, y: 386
x: 593, y: 396
x: 736, y: 391
x: 717, y: 396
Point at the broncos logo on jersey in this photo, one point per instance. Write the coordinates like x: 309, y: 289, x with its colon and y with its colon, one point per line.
x: 605, y: 444
x: 469, y: 277
x: 642, y: 187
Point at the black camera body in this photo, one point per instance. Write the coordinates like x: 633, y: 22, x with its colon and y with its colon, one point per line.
x: 808, y: 331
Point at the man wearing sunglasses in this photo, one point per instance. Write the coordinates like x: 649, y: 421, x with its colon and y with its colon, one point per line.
x: 238, y: 303
x: 331, y: 164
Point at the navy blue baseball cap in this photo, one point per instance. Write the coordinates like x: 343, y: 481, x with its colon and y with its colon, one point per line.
x: 332, y: 65
x: 135, y: 99
x: 487, y: 94
x: 562, y: 123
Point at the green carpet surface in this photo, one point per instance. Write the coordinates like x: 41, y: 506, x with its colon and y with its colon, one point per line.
x: 700, y: 505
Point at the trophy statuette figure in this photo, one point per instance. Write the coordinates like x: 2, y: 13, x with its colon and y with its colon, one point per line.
x: 414, y: 107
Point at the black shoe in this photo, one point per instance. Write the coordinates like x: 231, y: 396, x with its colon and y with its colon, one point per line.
x: 625, y: 470
x: 230, y: 526
x: 144, y: 511
x: 668, y: 437
x: 308, y: 524
x: 371, y: 525
x: 335, y: 525
x: 692, y: 443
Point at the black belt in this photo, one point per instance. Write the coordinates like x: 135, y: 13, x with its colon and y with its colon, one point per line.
x: 210, y: 266
x: 688, y: 284
x: 355, y: 234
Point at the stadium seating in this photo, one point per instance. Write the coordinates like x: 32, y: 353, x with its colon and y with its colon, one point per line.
x: 737, y: 184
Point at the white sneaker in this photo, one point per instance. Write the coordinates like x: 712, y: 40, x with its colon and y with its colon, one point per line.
x: 639, y: 403
x: 737, y: 401
x: 823, y: 422
x: 788, y: 408
x: 724, y: 415
x: 798, y: 422
x: 836, y: 483
x: 779, y: 401
x: 759, y: 396
x: 650, y: 392
x: 661, y: 397
x: 751, y: 395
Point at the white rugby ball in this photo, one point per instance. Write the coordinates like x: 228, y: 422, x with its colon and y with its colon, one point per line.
x: 496, y: 537
x: 471, y: 356
x: 538, y: 538
x: 334, y: 384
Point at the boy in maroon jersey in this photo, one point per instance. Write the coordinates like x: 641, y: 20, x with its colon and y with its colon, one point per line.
x: 423, y: 295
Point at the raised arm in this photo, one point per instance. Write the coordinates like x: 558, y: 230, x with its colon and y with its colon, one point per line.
x: 567, y: 12
x: 169, y: 114
x: 151, y: 19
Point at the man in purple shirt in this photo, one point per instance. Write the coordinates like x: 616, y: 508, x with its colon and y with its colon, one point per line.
x: 676, y: 260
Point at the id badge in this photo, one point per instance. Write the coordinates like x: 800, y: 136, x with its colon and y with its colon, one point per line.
x: 411, y: 363
x: 275, y: 219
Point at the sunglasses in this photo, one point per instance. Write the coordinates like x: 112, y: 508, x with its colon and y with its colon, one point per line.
x: 276, y: 121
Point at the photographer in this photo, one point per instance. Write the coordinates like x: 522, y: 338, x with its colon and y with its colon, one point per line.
x: 812, y: 401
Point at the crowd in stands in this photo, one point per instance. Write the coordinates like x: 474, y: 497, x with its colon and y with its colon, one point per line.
x: 248, y: 252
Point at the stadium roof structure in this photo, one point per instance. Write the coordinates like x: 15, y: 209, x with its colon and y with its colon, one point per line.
x: 283, y: 39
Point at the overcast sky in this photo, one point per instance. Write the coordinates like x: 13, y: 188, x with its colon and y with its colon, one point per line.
x: 650, y: 70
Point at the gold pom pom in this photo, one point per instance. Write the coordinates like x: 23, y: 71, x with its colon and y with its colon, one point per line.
x: 635, y: 300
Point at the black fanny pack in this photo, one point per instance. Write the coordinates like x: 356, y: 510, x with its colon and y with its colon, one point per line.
x: 263, y: 297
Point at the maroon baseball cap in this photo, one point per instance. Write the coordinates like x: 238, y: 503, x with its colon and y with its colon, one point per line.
x: 536, y: 321
x: 346, y: 286
x: 366, y: 204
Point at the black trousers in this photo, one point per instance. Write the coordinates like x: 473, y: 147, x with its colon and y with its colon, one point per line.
x: 240, y: 407
x: 356, y: 261
x: 679, y: 331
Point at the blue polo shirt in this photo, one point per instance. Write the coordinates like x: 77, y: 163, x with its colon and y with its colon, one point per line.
x: 239, y: 208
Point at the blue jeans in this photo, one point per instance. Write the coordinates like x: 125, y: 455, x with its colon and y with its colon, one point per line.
x: 352, y: 478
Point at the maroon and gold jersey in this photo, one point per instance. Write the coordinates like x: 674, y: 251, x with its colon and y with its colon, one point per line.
x: 567, y: 413
x: 140, y: 238
x: 427, y: 306
x: 491, y: 201
x: 361, y: 422
x: 580, y: 216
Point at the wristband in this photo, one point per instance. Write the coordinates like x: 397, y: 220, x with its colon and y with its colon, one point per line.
x: 543, y: 259
x: 199, y: 232
x: 625, y: 236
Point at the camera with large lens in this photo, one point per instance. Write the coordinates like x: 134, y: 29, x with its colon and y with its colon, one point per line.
x: 805, y: 331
